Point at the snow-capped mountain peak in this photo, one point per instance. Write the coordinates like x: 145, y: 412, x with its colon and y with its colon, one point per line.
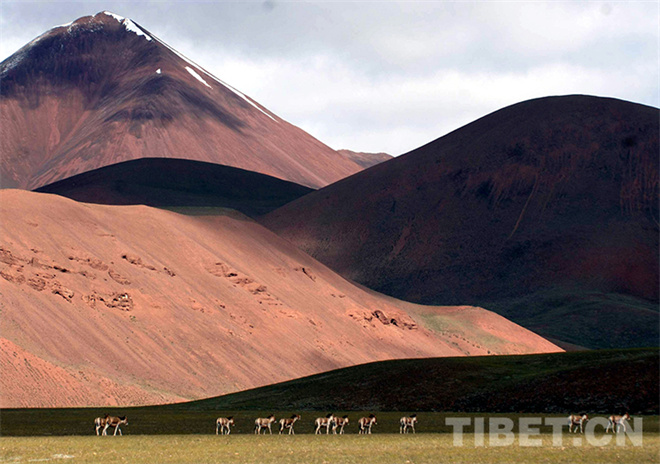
x: 129, y: 25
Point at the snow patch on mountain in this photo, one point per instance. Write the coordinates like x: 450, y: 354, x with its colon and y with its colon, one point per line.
x: 197, y: 76
x: 129, y: 25
x: 63, y: 25
x: 16, y: 58
x: 241, y: 95
x: 132, y: 27
x: 116, y: 16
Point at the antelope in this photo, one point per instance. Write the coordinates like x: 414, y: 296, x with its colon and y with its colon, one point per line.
x: 365, y: 424
x: 288, y: 424
x: 323, y: 422
x: 110, y: 421
x: 407, y: 422
x: 223, y: 425
x: 99, y: 423
x: 261, y: 423
x: 575, y: 420
x: 339, y: 422
x: 618, y: 421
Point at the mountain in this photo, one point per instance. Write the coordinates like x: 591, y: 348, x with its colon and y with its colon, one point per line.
x: 103, y: 90
x: 366, y: 160
x: 126, y: 305
x: 184, y: 185
x: 545, y: 211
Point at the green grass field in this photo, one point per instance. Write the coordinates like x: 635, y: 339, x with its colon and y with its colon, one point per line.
x: 309, y: 449
x: 157, y: 436
x: 161, y: 421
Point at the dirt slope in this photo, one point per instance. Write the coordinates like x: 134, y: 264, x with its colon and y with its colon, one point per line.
x: 104, y: 90
x: 546, y: 211
x: 129, y: 305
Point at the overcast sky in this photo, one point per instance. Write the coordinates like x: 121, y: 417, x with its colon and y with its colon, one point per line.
x: 390, y: 76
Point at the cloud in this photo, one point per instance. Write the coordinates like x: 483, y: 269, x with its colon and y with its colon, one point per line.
x: 374, y: 76
x: 403, y: 113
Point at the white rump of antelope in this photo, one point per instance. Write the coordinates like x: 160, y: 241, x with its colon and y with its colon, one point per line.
x: 288, y: 424
x: 365, y: 424
x: 407, y: 422
x: 223, y: 425
x: 263, y: 423
x: 575, y: 420
x: 109, y: 421
x: 617, y: 421
x: 326, y: 422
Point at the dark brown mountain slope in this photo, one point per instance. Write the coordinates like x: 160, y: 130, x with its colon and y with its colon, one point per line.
x: 104, y: 90
x: 184, y: 185
x: 545, y: 211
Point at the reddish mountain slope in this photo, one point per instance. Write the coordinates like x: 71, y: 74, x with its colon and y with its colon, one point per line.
x: 545, y: 211
x: 128, y: 305
x: 104, y: 90
x: 184, y: 185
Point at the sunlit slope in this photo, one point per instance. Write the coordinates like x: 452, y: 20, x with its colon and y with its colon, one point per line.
x: 127, y: 305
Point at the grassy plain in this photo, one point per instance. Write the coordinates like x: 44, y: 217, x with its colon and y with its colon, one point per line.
x: 309, y: 449
x: 161, y: 421
x: 157, y: 436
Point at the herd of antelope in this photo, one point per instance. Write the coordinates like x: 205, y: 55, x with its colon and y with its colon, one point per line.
x: 614, y: 421
x: 336, y: 424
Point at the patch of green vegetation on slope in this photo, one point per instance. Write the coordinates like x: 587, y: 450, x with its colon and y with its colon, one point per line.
x: 454, y: 327
x: 590, y: 319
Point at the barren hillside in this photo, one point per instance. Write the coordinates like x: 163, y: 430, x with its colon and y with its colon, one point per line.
x: 107, y: 305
